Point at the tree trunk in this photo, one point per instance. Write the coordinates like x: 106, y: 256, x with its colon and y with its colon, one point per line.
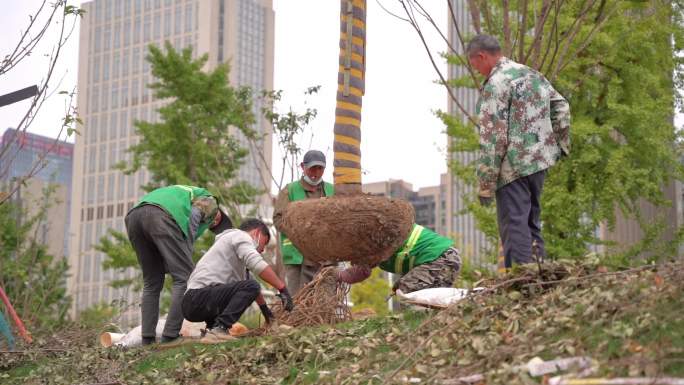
x: 350, y: 90
x: 350, y: 226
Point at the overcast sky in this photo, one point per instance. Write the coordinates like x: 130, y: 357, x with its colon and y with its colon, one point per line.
x: 401, y: 137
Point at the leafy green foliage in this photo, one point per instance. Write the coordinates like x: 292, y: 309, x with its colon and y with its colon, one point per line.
x: 194, y: 143
x: 97, y: 316
x: 34, y: 280
x: 371, y: 293
x: 287, y: 129
x: 196, y: 140
x: 620, y: 80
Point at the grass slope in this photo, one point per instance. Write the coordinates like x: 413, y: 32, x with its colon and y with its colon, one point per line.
x: 630, y: 323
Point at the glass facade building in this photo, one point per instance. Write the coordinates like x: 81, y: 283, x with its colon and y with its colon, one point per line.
x: 113, y: 93
x: 22, y: 152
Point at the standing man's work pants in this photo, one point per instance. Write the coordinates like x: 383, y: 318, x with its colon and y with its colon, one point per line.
x: 518, y: 209
x: 161, y: 248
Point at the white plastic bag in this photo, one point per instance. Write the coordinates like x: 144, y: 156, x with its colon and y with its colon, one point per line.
x: 438, y: 297
x: 134, y: 338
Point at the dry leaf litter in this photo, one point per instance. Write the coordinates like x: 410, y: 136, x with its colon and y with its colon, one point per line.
x: 629, y: 322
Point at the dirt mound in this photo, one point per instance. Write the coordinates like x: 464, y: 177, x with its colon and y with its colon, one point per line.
x: 358, y: 228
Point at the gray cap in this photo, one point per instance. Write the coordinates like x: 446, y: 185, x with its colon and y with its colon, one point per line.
x: 313, y: 158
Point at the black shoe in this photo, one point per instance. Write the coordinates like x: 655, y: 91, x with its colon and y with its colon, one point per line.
x: 148, y: 340
x: 165, y: 339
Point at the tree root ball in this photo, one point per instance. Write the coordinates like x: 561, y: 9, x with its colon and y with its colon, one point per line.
x: 363, y: 229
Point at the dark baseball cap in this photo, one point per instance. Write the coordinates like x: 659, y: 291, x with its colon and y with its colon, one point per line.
x: 224, y: 224
x: 313, y: 158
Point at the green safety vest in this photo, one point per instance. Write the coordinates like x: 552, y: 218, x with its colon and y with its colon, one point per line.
x: 177, y: 200
x: 296, y: 192
x: 422, y: 246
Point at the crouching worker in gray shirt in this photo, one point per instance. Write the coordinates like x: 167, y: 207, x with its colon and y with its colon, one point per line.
x: 220, y: 288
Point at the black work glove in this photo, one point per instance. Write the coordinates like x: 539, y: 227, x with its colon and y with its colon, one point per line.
x: 286, y: 298
x: 268, y: 315
x: 485, y: 201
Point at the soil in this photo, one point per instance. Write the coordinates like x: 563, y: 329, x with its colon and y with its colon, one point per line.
x: 362, y: 229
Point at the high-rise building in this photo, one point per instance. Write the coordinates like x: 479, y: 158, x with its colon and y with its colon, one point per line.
x: 24, y: 151
x: 460, y: 225
x: 627, y: 233
x: 113, y: 78
x: 428, y: 202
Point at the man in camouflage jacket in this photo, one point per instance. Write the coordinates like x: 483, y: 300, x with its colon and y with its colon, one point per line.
x: 524, y: 126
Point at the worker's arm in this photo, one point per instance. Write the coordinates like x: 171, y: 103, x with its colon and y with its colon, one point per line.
x: 260, y: 300
x: 203, y: 210
x: 245, y: 250
x: 493, y: 115
x: 279, y: 207
x: 271, y: 277
x: 267, y: 313
x: 354, y: 274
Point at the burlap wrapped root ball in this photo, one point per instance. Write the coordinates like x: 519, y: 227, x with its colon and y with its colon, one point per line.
x: 357, y: 228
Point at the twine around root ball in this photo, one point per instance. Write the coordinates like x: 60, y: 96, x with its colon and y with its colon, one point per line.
x: 323, y: 301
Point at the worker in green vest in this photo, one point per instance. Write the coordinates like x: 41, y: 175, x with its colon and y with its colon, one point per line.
x: 162, y: 228
x: 425, y: 260
x: 298, y: 270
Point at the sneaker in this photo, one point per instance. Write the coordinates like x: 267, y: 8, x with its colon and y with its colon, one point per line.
x: 216, y: 336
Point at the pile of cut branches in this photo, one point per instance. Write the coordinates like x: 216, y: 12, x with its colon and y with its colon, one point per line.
x: 323, y: 301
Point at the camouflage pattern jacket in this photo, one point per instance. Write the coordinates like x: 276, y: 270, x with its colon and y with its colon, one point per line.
x: 524, y: 125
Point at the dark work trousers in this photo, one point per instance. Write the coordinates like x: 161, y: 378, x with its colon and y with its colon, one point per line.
x: 517, y: 211
x: 161, y: 248
x: 220, y: 303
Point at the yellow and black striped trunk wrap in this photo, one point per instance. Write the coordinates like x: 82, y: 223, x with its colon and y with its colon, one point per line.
x: 350, y: 90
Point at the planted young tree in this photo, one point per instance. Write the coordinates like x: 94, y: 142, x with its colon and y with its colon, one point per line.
x: 287, y: 129
x: 195, y: 142
x: 617, y: 63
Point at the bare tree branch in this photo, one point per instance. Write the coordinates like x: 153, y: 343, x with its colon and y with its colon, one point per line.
x: 602, y: 18
x: 453, y: 49
x: 40, y: 163
x: 409, y: 12
x: 462, y: 41
x: 487, y: 17
x: 432, y: 22
x: 11, y: 148
x: 522, y: 28
x: 553, y: 38
x: 22, y: 50
x: 474, y: 15
x: 506, y: 29
x: 574, y: 29
x: 254, y: 148
x: 535, y: 47
x: 390, y: 12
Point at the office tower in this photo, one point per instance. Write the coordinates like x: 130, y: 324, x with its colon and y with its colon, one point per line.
x: 113, y: 77
x: 459, y: 225
x: 23, y: 151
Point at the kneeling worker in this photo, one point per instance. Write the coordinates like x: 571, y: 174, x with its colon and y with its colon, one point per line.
x: 425, y: 260
x: 220, y: 288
